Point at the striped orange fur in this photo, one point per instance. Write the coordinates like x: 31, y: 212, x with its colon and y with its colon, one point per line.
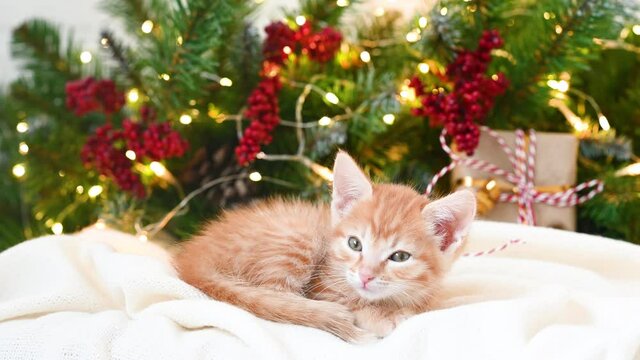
x: 294, y: 262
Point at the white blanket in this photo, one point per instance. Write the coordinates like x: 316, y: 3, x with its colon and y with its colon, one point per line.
x: 101, y: 294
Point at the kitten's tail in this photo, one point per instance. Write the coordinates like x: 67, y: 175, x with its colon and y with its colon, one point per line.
x: 285, y: 307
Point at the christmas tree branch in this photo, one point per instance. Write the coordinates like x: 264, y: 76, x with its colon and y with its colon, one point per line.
x: 118, y: 51
x: 575, y: 19
x: 325, y: 11
x: 559, y: 39
x: 132, y: 12
x: 37, y: 43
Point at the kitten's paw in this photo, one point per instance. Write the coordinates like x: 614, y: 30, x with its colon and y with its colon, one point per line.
x: 370, y: 321
x: 364, y: 337
x: 340, y: 321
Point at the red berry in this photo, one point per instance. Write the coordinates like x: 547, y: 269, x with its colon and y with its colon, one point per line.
x: 322, y: 46
x: 472, y: 96
x: 279, y: 36
x: 263, y: 111
x: 106, y: 153
x: 87, y: 95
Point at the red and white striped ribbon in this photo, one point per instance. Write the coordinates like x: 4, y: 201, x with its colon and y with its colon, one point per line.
x: 495, y: 249
x: 522, y: 176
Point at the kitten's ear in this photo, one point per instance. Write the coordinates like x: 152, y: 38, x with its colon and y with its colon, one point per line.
x: 450, y: 219
x: 350, y: 185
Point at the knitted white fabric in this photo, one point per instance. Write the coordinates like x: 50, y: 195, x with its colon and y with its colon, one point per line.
x: 101, y: 294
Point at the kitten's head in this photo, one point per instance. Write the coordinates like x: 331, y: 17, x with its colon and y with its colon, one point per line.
x: 389, y: 241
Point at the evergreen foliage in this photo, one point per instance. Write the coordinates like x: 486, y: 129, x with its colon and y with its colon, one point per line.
x: 176, y: 67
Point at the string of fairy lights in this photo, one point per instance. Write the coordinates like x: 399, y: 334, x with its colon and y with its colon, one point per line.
x: 560, y: 84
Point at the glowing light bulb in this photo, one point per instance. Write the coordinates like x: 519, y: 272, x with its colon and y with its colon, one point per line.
x: 379, y: 11
x: 57, y: 228
x: 423, y: 68
x: 324, y: 121
x: 407, y: 93
x: 100, y: 224
x: 19, y: 170
x: 94, y: 191
x: 604, y: 122
x: 561, y: 85
x: 300, y: 20
x: 133, y: 95
x: 286, y: 50
x: 365, y: 56
x: 630, y: 170
x: 179, y: 40
x: 104, y: 42
x: 225, y: 81
x: 389, y: 119
x: 332, y: 98
x: 85, y: 57
x: 23, y: 148
x: 342, y: 3
x: 130, y: 154
x: 558, y: 29
x: 546, y: 15
x: 412, y: 36
x: 579, y: 125
x: 185, y: 119
x: 157, y: 168
x: 147, y: 26
x: 636, y: 29
x: 22, y: 127
x: 165, y: 77
x: 422, y: 22
x: 444, y: 11
x: 255, y: 176
x: 79, y: 189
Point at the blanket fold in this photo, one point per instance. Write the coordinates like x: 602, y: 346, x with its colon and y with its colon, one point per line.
x: 101, y: 294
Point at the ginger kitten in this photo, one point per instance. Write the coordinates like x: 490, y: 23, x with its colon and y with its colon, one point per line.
x: 360, y: 266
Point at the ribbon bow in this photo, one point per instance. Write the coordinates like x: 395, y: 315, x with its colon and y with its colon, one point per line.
x: 523, y: 161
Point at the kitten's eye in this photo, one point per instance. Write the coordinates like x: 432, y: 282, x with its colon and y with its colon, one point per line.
x: 400, y: 256
x: 354, y: 243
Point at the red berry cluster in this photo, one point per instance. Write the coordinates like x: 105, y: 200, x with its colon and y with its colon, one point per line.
x: 263, y: 108
x: 323, y: 45
x: 279, y: 36
x: 157, y: 142
x: 472, y: 95
x: 100, y: 151
x: 320, y: 46
x: 263, y: 111
x: 88, y: 94
x: 105, y: 150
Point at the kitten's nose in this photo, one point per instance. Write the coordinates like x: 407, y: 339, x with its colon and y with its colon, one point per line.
x: 365, y: 277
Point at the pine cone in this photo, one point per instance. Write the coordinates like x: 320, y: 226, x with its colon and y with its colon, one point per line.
x: 211, y: 163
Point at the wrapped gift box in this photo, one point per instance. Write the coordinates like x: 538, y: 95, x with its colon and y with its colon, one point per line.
x: 555, y: 167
